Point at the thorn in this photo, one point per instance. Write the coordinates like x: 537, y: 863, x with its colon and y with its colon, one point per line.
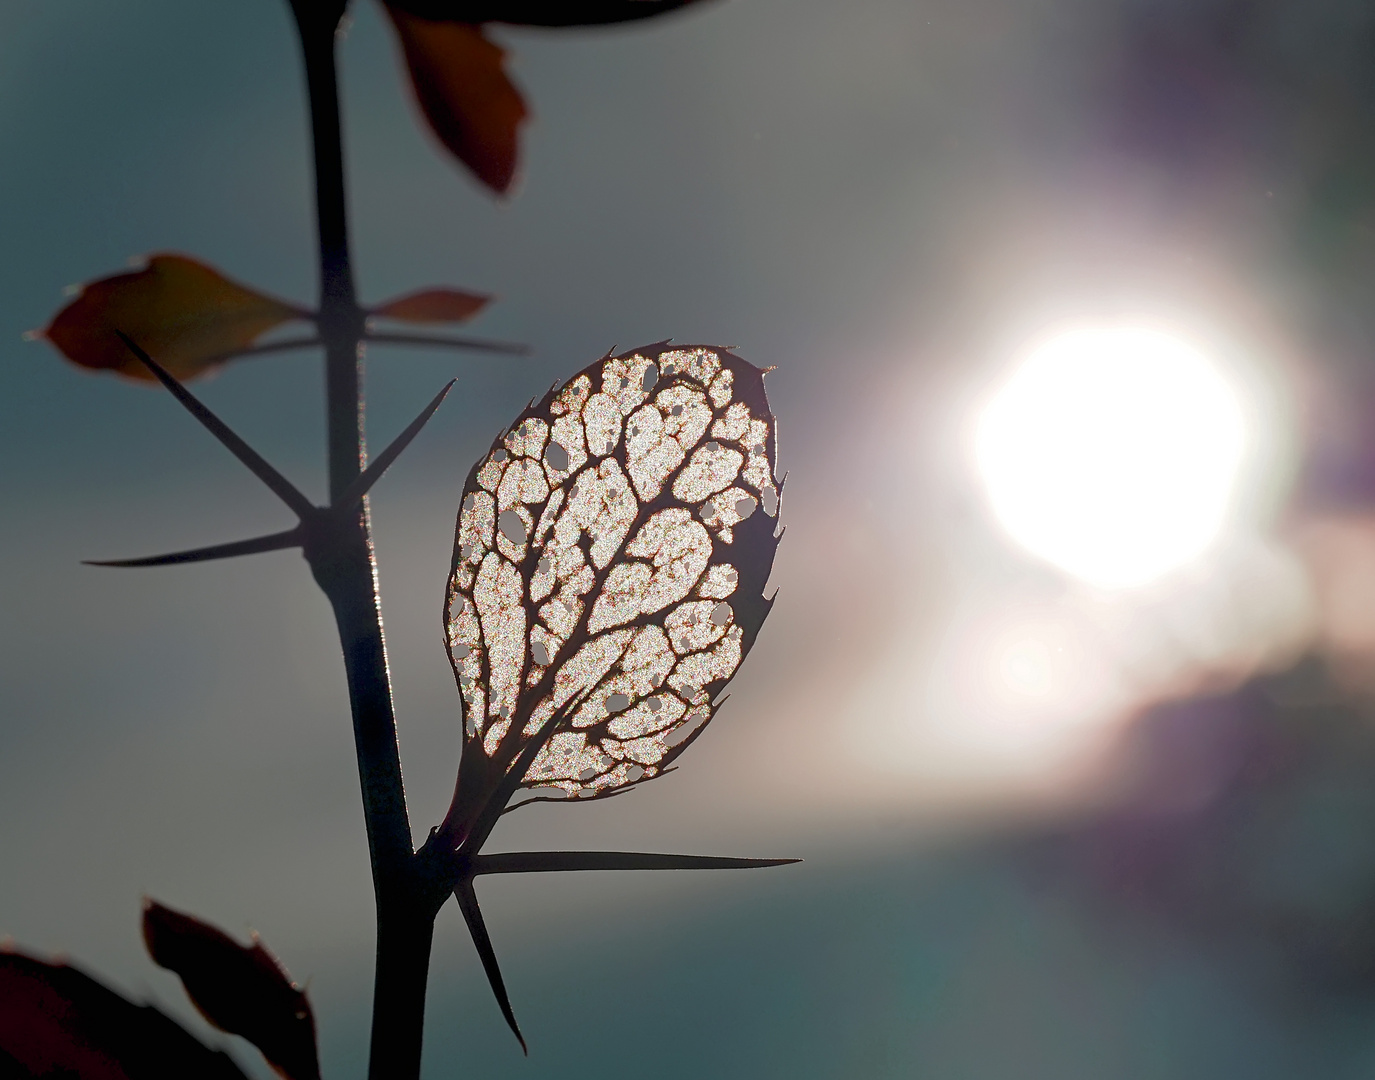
x: 369, y: 476
x: 536, y: 862
x: 442, y: 342
x: 472, y: 915
x: 256, y: 464
x: 274, y: 542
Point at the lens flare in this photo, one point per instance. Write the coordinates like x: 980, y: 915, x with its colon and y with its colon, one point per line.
x: 1113, y: 453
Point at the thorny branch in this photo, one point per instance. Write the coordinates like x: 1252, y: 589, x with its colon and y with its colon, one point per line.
x: 410, y: 886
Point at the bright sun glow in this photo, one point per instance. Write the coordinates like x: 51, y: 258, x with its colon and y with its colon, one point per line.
x: 1112, y: 453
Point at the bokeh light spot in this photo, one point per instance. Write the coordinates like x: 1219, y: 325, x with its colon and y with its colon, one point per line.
x: 1112, y: 453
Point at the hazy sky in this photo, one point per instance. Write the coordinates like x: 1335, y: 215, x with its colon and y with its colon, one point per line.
x: 882, y: 199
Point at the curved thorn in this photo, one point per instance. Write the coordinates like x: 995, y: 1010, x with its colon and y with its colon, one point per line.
x: 472, y: 915
x: 369, y: 476
x: 440, y: 341
x: 279, y: 484
x: 274, y: 542
x: 537, y: 862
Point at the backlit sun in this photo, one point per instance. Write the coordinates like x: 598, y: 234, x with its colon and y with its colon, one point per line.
x: 1113, y: 453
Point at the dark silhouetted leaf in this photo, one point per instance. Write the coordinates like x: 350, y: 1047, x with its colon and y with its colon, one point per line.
x: 56, y: 1021
x: 241, y: 990
x: 186, y: 313
x: 433, y: 305
x: 608, y: 575
x: 541, y: 12
x: 461, y: 85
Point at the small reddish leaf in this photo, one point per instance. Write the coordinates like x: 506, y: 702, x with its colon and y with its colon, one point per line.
x: 57, y: 1021
x: 186, y: 314
x: 242, y: 990
x: 459, y: 81
x: 433, y: 305
x: 541, y: 12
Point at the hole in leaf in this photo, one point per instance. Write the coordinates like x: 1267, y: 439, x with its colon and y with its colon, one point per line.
x: 557, y: 457
x: 512, y: 527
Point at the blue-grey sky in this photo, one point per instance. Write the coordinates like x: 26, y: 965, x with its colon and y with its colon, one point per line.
x: 875, y: 197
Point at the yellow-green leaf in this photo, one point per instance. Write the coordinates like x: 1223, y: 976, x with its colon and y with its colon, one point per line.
x: 188, y: 316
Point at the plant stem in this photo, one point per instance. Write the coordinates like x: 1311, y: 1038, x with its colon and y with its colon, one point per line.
x: 346, y: 570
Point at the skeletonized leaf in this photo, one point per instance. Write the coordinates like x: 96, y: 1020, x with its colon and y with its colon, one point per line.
x: 433, y: 305
x: 608, y: 572
x: 461, y: 85
x: 541, y: 12
x: 242, y: 990
x: 57, y: 1021
x: 185, y: 313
